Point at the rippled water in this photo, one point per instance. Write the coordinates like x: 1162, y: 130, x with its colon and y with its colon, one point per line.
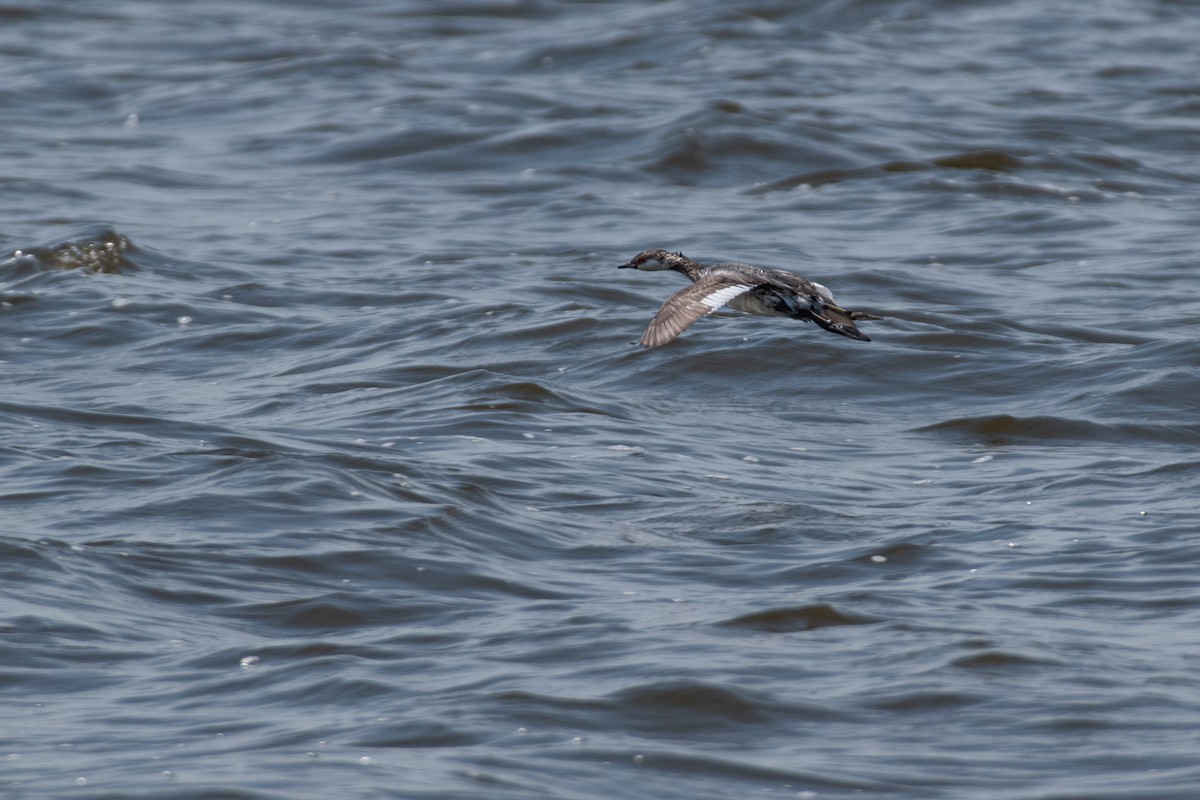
x: 330, y: 465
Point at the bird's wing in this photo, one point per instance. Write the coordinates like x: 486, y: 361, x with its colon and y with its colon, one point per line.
x: 691, y: 303
x: 798, y: 284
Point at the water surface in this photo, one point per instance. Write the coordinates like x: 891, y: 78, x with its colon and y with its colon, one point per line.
x: 330, y: 465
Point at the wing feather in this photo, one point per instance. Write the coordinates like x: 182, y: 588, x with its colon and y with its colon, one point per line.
x: 689, y: 304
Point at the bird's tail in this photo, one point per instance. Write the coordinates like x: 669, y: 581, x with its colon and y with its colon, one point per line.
x: 838, y: 320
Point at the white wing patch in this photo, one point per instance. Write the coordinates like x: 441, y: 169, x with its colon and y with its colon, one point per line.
x: 823, y: 291
x: 722, y: 296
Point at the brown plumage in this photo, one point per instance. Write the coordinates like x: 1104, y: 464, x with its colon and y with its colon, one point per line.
x: 742, y: 287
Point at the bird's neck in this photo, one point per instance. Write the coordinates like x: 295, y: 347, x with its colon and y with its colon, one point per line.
x: 681, y: 263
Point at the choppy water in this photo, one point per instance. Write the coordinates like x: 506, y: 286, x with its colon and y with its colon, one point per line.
x: 330, y: 467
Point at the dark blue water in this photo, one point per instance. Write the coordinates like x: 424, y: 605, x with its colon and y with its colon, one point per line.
x: 330, y: 467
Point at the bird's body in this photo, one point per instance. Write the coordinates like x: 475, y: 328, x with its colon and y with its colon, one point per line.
x: 742, y: 287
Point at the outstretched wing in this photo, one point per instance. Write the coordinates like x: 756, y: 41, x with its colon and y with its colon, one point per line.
x: 691, y: 303
x: 816, y: 303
